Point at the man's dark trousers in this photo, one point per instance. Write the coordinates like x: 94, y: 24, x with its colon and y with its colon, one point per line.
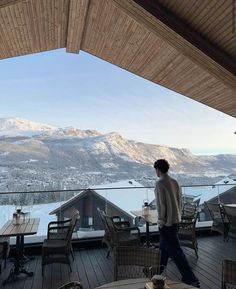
x: 170, y: 247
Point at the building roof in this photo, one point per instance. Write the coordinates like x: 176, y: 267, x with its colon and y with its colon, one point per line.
x: 188, y: 46
x: 227, y: 180
x: 70, y: 203
x: 224, y: 186
x: 130, y: 199
x: 127, y: 200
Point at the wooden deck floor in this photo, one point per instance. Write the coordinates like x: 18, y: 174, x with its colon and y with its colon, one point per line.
x: 92, y: 267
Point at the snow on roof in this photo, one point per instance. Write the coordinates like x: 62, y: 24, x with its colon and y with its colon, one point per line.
x: 130, y: 199
x: 210, y: 192
x: 227, y: 181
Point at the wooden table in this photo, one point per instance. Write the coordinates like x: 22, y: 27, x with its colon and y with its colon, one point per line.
x: 151, y: 218
x: 230, y: 205
x: 140, y: 283
x: 29, y: 227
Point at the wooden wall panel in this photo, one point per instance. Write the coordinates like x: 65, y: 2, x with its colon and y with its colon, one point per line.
x: 32, y: 26
x: 76, y: 23
x: 4, y: 3
x: 212, y: 19
x: 148, y: 56
x: 104, y: 29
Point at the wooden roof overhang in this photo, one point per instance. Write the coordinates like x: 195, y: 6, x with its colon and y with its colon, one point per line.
x: 188, y: 46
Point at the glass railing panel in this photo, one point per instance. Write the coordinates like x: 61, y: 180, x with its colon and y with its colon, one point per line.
x: 33, y: 205
x: 121, y: 200
x: 217, y: 193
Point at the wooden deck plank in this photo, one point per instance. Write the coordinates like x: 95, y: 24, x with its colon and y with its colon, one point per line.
x: 97, y: 269
x: 32, y: 268
x: 92, y: 278
x: 66, y: 275
x: 56, y: 274
x: 38, y: 280
x: 93, y: 269
x: 83, y: 278
x: 105, y: 264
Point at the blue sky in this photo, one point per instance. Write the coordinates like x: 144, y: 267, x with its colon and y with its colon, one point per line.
x: 65, y: 89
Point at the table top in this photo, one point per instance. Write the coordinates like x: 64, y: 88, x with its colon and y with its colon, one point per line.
x: 151, y: 218
x: 230, y: 205
x: 140, y: 283
x: 29, y: 227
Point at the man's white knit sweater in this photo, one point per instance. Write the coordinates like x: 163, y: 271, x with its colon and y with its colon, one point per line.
x: 168, y: 200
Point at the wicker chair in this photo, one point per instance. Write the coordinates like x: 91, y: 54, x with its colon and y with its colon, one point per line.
x: 118, y: 233
x: 120, y: 223
x: 228, y: 274
x: 135, y: 262
x: 231, y: 215
x: 72, y: 285
x: 189, y: 209
x: 220, y: 222
x: 187, y: 227
x: 4, y: 251
x: 57, y: 247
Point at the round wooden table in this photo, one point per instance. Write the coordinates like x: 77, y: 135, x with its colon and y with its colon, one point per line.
x: 140, y: 283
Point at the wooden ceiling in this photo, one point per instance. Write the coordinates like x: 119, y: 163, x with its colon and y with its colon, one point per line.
x: 188, y: 46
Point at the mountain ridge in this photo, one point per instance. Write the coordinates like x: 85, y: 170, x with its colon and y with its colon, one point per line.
x: 90, y: 157
x: 14, y: 126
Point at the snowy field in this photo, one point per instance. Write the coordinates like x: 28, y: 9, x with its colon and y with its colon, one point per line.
x: 130, y: 199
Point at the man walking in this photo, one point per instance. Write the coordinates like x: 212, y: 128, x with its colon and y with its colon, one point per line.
x: 169, y: 205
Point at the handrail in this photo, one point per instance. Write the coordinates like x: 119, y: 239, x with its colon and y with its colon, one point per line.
x: 103, y: 189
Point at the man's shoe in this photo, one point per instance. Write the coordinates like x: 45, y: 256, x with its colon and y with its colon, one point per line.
x: 195, y: 284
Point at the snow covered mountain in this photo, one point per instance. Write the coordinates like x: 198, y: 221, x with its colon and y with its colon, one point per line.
x: 14, y: 126
x: 44, y: 152
x: 69, y: 132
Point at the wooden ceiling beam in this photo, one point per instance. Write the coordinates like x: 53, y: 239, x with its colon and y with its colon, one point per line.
x: 76, y: 23
x: 4, y: 3
x: 167, y: 26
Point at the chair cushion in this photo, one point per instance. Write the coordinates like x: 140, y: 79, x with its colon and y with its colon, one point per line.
x: 54, y: 245
x: 54, y: 242
x: 230, y: 286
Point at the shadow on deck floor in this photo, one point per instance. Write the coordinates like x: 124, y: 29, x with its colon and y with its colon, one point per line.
x: 93, y: 269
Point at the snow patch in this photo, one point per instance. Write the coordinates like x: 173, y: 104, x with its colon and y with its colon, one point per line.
x: 4, y: 154
x: 109, y: 165
x: 29, y: 161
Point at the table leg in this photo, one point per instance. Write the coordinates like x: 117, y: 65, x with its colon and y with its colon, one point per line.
x: 18, y: 268
x: 17, y: 256
x: 24, y: 258
x: 147, y: 243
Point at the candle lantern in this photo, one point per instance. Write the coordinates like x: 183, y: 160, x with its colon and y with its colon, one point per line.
x: 17, y: 217
x: 158, y: 282
x: 145, y: 209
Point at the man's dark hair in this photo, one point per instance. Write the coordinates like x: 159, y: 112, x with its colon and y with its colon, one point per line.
x: 162, y: 165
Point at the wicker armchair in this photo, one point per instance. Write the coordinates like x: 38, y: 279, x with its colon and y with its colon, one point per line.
x: 118, y: 233
x: 189, y: 209
x: 4, y: 251
x: 231, y: 215
x: 57, y: 247
x: 220, y: 222
x: 72, y: 285
x: 120, y: 223
x: 228, y: 274
x: 187, y: 227
x: 135, y: 262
